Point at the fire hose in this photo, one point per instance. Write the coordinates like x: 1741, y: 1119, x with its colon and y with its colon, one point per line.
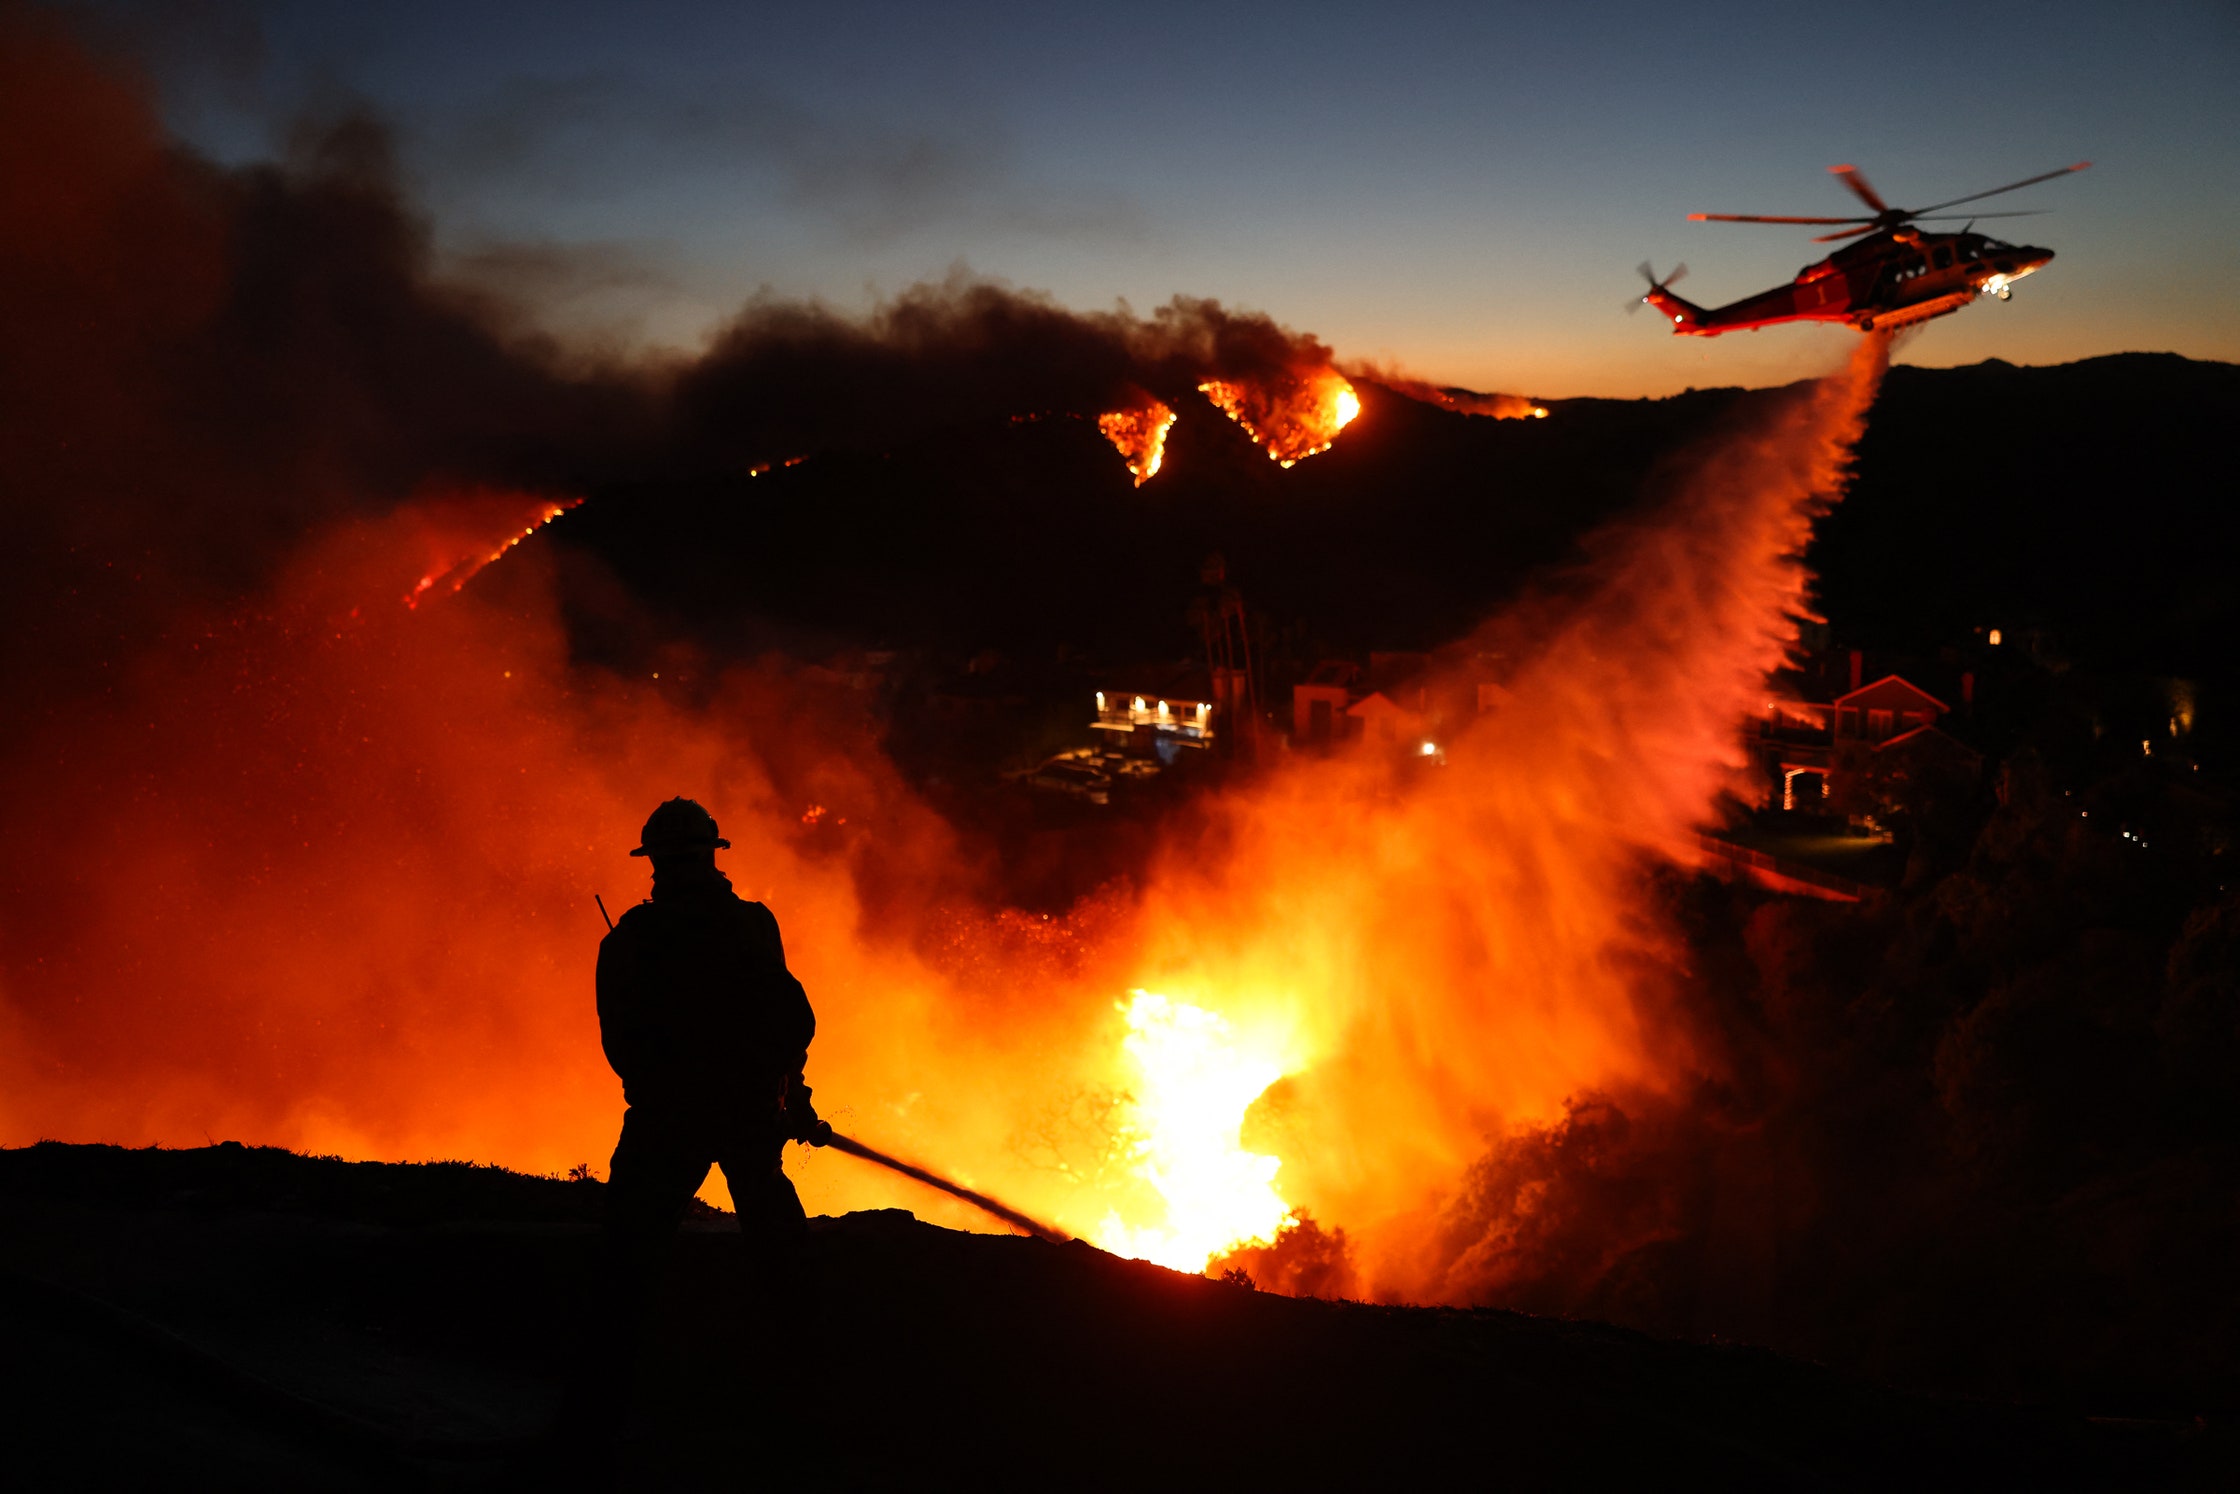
x: 1008, y: 1215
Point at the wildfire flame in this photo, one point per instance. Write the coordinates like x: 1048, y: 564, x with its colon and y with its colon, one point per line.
x: 1195, y: 1080
x: 1291, y: 424
x: 1140, y: 436
x: 455, y: 539
x: 1461, y: 401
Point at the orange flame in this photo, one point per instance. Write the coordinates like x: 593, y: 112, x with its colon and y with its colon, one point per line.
x: 454, y: 525
x: 1461, y: 401
x: 1140, y: 436
x: 1291, y: 422
x: 1195, y: 1081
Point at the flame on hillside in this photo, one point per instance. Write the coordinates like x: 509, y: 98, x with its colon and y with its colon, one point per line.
x: 1449, y: 397
x: 1140, y: 436
x: 1491, y: 406
x: 455, y: 526
x: 1291, y: 420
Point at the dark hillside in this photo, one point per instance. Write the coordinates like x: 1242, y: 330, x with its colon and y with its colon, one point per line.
x: 244, y: 1318
x: 1024, y: 535
x: 2084, y: 499
x: 2095, y: 499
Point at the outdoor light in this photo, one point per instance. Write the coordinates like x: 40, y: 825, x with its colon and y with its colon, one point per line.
x: 1429, y: 750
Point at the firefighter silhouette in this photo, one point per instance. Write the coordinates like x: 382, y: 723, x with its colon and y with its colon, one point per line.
x: 709, y: 1033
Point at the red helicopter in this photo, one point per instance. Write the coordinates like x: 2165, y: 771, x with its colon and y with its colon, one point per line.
x: 1895, y: 276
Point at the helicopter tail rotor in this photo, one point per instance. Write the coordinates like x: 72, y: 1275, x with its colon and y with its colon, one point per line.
x: 1656, y: 286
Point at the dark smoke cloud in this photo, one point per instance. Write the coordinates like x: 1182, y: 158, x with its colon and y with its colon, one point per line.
x: 205, y: 365
x: 786, y: 377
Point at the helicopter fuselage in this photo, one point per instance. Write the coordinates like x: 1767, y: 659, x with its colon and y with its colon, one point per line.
x: 1891, y: 279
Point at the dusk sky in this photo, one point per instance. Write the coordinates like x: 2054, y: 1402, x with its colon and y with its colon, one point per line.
x: 1460, y: 189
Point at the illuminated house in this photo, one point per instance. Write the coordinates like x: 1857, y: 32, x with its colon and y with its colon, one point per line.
x: 1803, y: 729
x: 1160, y: 710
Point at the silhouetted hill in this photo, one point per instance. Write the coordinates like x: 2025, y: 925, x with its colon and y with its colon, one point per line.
x: 2083, y: 498
x: 243, y: 1318
x: 2094, y: 499
x: 1023, y: 535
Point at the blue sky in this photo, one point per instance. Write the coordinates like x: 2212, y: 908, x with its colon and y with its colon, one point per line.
x: 1461, y: 189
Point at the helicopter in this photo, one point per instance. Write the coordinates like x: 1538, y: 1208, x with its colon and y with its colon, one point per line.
x: 1895, y: 276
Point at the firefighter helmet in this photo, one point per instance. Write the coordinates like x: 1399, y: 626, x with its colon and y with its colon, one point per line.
x: 679, y: 825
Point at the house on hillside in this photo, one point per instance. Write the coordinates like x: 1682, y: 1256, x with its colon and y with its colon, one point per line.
x: 1812, y: 720
x: 1160, y: 710
x: 1320, y: 701
x: 1391, y: 702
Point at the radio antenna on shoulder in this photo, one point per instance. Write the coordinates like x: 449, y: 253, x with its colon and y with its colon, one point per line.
x: 603, y: 913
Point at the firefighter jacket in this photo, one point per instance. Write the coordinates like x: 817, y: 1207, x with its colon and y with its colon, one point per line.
x: 697, y: 1011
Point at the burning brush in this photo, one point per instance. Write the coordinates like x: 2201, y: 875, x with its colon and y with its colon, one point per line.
x: 1293, y: 421
x: 1140, y: 436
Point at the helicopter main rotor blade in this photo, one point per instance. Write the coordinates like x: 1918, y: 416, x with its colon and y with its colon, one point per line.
x: 1850, y: 177
x: 1849, y: 233
x: 2027, y: 181
x: 1757, y: 218
x: 1972, y: 217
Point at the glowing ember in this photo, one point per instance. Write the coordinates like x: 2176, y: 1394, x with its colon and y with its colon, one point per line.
x: 1140, y: 436
x: 1196, y: 1080
x: 1293, y: 423
x: 460, y: 546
